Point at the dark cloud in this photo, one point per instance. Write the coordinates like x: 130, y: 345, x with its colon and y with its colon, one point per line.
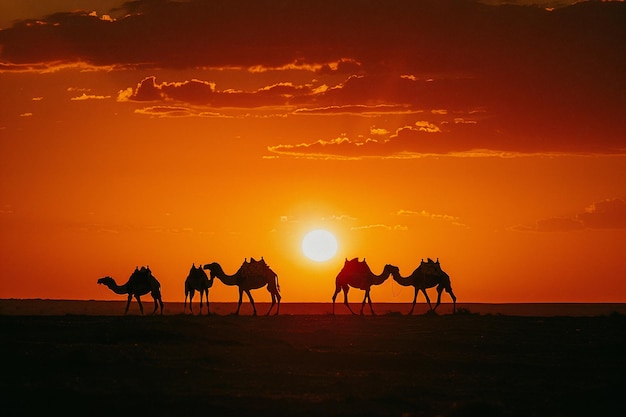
x: 361, y: 93
x: 550, y: 81
x: 457, y: 135
x: 199, y: 92
x: 607, y: 214
x: 427, y: 35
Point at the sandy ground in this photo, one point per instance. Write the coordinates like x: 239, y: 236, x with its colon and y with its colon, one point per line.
x: 312, y: 365
x: 105, y: 308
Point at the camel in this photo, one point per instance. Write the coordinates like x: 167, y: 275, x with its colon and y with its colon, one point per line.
x: 250, y: 276
x: 429, y: 274
x: 141, y: 282
x: 197, y: 281
x: 358, y: 275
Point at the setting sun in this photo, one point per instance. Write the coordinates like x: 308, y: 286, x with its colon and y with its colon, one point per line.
x: 319, y: 245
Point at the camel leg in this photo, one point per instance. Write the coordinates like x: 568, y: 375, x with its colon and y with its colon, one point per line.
x: 275, y: 298
x: 273, y: 303
x: 156, y: 295
x: 251, y: 301
x: 369, y: 299
x: 156, y: 304
x: 240, y: 297
x: 191, y: 294
x: 335, y: 296
x: 414, y: 300
x: 449, y: 291
x: 427, y: 298
x: 363, y: 303
x: 208, y: 310
x: 453, y: 300
x: 439, y: 291
x: 345, y: 299
x: 139, y: 302
x: 130, y: 297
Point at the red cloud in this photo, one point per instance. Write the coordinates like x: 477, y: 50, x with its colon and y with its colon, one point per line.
x: 551, y: 81
x: 199, y: 92
x: 607, y: 214
x: 194, y: 91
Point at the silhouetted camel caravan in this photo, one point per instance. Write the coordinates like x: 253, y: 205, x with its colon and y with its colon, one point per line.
x: 427, y: 275
x: 358, y: 275
x: 141, y: 282
x: 197, y: 280
x: 257, y: 274
x: 250, y: 276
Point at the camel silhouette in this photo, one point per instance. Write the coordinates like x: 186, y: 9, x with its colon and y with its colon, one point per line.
x: 427, y: 275
x: 141, y: 282
x: 197, y: 280
x: 358, y: 275
x: 250, y: 276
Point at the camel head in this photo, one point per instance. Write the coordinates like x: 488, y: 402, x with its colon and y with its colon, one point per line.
x: 108, y: 281
x: 213, y: 267
x: 392, y: 269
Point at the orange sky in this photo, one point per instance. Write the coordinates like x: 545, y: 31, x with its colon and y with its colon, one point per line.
x: 167, y: 133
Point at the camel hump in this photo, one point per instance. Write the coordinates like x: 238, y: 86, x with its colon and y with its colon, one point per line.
x: 354, y: 261
x: 356, y: 266
x: 255, y: 267
x: 430, y: 268
x: 143, y: 272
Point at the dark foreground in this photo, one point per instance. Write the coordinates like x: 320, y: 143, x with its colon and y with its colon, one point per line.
x: 390, y: 365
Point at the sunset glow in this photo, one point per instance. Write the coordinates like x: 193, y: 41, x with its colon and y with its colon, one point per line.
x: 488, y: 134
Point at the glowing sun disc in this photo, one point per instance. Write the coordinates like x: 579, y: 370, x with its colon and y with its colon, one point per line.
x: 319, y: 245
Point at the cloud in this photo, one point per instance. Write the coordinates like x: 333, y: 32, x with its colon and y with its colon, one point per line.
x: 549, y: 81
x: 358, y: 109
x: 174, y: 111
x: 424, y: 213
x: 606, y: 214
x: 205, y: 93
x: 378, y: 131
x: 454, y: 220
x: 342, y: 66
x: 356, y: 94
x: 417, y: 140
x: 396, y: 227
x: 84, y: 97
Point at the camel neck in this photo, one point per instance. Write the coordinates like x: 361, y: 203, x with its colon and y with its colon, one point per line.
x: 225, y: 278
x: 404, y: 281
x: 119, y: 289
x: 379, y: 279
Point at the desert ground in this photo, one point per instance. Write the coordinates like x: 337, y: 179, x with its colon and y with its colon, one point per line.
x: 310, y: 364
